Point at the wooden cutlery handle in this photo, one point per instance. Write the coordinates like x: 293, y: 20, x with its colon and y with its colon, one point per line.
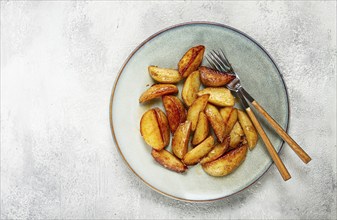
x: 278, y: 162
x: 298, y: 150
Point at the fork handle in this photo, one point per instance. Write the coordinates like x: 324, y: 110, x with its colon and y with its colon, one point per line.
x: 294, y: 146
x: 277, y: 160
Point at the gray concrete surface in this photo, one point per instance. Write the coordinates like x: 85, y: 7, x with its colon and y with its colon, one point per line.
x: 58, y: 64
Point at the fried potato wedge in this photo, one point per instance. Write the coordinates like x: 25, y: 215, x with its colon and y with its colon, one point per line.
x: 168, y: 160
x: 164, y: 75
x: 181, y: 138
x: 194, y: 156
x: 157, y: 90
x: 193, y: 112
x: 230, y: 117
x: 216, y: 152
x: 227, y: 163
x: 202, y: 129
x: 175, y: 110
x: 236, y: 136
x: 248, y: 129
x: 218, y: 96
x: 216, y: 121
x: 214, y: 78
x: 163, y: 126
x: 191, y: 88
x: 191, y: 60
x: 151, y: 130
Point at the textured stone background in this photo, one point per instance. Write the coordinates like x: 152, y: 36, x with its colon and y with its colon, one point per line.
x: 58, y: 64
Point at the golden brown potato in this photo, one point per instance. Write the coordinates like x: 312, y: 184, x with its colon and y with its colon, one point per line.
x: 214, y: 78
x: 217, y: 123
x: 218, y: 96
x: 175, y: 110
x: 217, y: 151
x: 227, y: 163
x: 193, y: 112
x: 195, y: 155
x: 151, y: 131
x: 248, y: 129
x: 230, y: 116
x: 191, y: 60
x: 202, y: 129
x: 236, y: 136
x: 180, y: 139
x: 168, y: 160
x: 164, y: 75
x: 156, y: 91
x: 163, y: 126
x: 191, y: 88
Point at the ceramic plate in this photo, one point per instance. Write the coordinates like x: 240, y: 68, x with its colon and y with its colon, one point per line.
x: 259, y: 75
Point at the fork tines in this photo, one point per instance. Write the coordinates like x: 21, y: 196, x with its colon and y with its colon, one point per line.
x: 219, y: 61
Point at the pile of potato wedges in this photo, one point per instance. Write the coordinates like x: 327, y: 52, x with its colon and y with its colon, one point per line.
x: 203, y: 120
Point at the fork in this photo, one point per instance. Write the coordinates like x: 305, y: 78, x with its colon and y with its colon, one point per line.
x: 219, y: 61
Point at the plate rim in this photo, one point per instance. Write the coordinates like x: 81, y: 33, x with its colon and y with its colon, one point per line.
x: 140, y: 46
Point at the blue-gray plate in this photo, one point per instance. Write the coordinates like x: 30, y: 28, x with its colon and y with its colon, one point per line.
x: 259, y: 75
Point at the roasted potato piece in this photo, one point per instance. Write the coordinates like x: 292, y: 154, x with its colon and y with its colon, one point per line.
x: 218, y: 96
x: 175, y: 110
x: 217, y: 123
x: 163, y: 126
x: 202, y: 129
x: 248, y: 129
x: 214, y: 78
x: 181, y: 138
x: 230, y: 117
x: 216, y: 152
x: 195, y: 155
x: 227, y: 163
x: 151, y: 129
x: 193, y: 112
x: 156, y: 91
x: 168, y: 160
x: 191, y: 60
x: 191, y: 88
x: 236, y: 136
x: 164, y: 75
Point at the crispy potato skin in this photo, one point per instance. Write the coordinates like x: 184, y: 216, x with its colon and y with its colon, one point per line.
x: 194, y: 156
x: 248, y: 129
x: 181, y: 138
x: 168, y: 160
x: 196, y: 112
x: 191, y: 88
x: 193, y: 112
x: 150, y: 130
x: 175, y: 110
x: 164, y: 75
x: 216, y: 152
x: 191, y: 60
x: 214, y: 78
x: 230, y: 117
x: 218, y: 96
x: 202, y: 129
x: 216, y: 121
x: 157, y: 90
x: 163, y: 126
x: 227, y: 163
x: 236, y: 136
